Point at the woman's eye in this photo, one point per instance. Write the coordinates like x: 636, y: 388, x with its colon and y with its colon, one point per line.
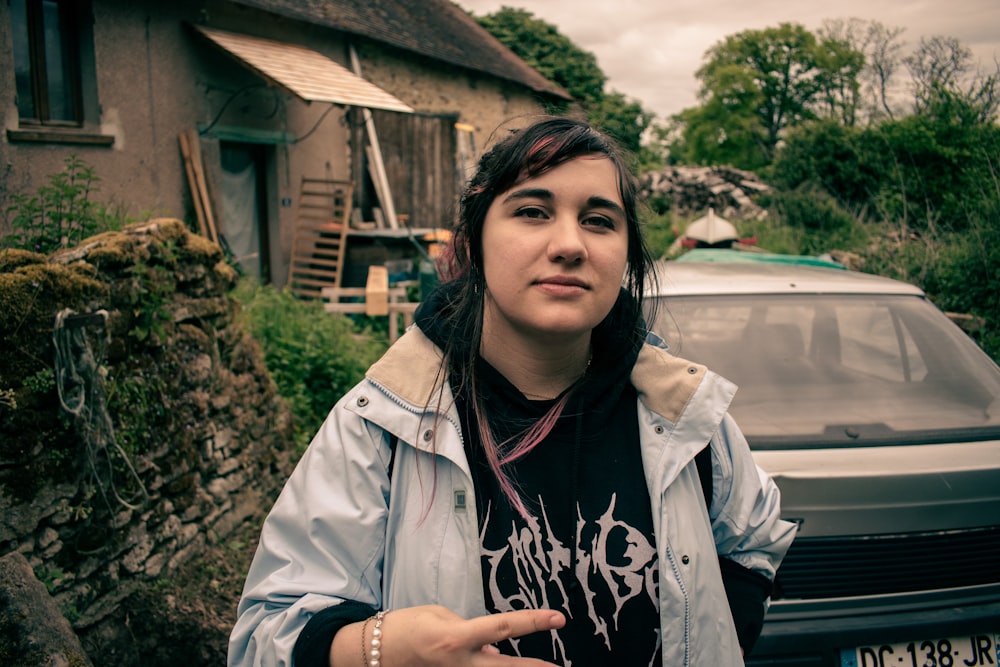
x: 530, y: 212
x: 599, y: 221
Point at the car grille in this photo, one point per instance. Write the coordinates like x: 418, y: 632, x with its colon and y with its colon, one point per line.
x: 831, y: 567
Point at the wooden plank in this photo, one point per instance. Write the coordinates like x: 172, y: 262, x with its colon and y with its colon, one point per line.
x: 317, y: 281
x: 306, y: 252
x: 396, y: 294
x: 397, y: 306
x: 311, y: 236
x: 194, y: 141
x: 395, y: 310
x: 336, y: 293
x: 377, y: 291
x: 319, y: 278
x: 304, y: 265
x: 318, y: 258
x: 381, y: 187
x: 466, y: 139
x: 421, y: 160
x: 307, y: 224
x: 307, y: 248
x: 376, y: 153
x: 192, y: 183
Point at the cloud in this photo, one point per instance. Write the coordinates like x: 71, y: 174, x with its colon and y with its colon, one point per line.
x: 651, y: 51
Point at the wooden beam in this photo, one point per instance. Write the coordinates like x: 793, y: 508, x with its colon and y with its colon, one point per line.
x: 194, y: 140
x: 192, y: 178
x: 377, y: 291
x: 376, y: 154
x: 195, y: 169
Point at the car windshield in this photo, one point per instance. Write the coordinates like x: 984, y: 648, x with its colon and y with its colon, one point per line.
x: 839, y: 370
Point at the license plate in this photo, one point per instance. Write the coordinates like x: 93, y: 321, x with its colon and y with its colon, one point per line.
x: 974, y: 651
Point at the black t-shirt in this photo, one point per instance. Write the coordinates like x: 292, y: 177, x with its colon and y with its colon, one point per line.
x: 589, y: 549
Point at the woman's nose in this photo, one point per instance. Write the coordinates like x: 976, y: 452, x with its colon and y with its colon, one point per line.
x: 567, y: 243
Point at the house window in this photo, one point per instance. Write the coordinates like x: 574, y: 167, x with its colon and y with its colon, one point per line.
x: 46, y: 40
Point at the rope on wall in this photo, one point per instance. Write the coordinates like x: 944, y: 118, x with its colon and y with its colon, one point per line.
x: 80, y: 384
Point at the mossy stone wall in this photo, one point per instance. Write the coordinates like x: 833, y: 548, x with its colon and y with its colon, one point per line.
x: 138, y: 423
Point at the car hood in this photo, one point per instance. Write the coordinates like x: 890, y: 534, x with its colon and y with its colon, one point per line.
x: 887, y: 490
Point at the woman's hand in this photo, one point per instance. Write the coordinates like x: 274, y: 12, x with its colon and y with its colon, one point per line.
x: 433, y: 635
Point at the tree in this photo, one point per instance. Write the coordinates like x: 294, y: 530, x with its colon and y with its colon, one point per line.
x: 880, y: 49
x: 774, y: 69
x: 758, y: 83
x: 924, y: 171
x: 542, y: 46
x: 826, y: 155
x: 839, y: 66
x: 883, y: 60
x: 621, y: 118
x: 723, y: 130
x: 945, y: 81
x: 558, y: 59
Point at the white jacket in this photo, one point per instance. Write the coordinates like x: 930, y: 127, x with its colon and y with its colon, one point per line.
x: 336, y: 532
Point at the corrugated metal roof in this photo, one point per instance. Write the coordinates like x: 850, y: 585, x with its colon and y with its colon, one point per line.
x: 303, y: 72
x: 437, y: 29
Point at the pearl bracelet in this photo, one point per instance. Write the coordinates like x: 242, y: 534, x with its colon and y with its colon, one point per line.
x: 376, y: 643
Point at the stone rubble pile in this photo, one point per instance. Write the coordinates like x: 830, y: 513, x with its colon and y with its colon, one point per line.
x: 693, y: 190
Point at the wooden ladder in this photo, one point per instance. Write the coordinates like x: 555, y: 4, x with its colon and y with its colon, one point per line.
x: 320, y: 240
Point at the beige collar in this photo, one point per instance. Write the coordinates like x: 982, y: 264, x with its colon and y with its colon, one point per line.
x: 411, y: 369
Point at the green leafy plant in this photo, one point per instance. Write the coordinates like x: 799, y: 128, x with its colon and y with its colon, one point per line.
x: 150, y: 292
x: 41, y: 382
x: 62, y: 212
x: 313, y: 356
x: 660, y: 232
x: 50, y: 576
x: 138, y: 403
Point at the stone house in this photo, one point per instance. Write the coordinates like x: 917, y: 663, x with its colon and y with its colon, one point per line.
x: 271, y: 92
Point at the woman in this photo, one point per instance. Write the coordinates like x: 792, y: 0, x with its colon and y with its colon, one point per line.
x: 516, y: 479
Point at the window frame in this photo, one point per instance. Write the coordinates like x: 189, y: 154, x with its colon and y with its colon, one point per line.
x: 39, y: 67
x: 76, y: 37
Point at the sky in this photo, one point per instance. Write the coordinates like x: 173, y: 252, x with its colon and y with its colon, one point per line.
x: 651, y: 49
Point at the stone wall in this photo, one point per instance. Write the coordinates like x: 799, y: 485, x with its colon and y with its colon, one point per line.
x: 138, y: 424
x: 480, y: 100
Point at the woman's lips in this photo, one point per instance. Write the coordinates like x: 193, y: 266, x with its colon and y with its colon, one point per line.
x: 562, y: 286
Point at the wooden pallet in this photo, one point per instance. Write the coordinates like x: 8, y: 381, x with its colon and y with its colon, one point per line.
x: 320, y: 239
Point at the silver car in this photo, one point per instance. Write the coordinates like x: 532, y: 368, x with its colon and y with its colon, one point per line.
x: 879, y: 419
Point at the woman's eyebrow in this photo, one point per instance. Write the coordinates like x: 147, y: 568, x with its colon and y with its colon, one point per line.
x: 595, y: 201
x: 529, y: 193
x: 602, y: 202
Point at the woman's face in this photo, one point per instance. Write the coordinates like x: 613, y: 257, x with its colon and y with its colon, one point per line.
x: 554, y: 252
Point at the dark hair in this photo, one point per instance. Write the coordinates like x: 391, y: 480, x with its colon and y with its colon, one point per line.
x: 526, y: 153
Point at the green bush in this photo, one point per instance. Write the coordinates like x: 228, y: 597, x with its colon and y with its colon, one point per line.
x: 774, y: 235
x: 659, y: 230
x: 960, y: 272
x: 966, y: 279
x: 825, y: 154
x: 313, y: 356
x: 923, y: 172
x: 806, y: 221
